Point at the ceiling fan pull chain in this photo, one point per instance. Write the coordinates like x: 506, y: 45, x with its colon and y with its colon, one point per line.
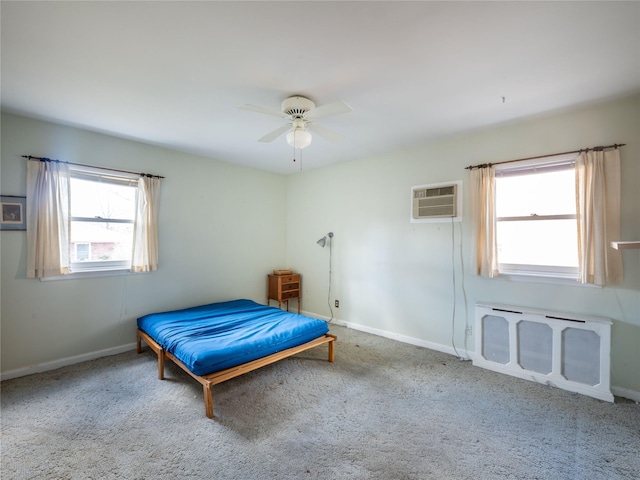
x: 294, y: 147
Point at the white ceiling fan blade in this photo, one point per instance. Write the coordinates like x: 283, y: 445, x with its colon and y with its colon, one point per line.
x: 325, y: 133
x: 255, y: 108
x: 334, y: 108
x: 270, y: 137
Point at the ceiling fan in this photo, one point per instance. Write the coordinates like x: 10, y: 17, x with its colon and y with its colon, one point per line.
x: 301, y: 114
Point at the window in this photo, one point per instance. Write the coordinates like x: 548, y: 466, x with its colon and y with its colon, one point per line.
x: 536, y: 227
x: 102, y: 216
x: 71, y: 204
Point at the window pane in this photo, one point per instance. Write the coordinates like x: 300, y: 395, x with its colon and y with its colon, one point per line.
x: 551, y: 193
x: 101, y: 241
x: 82, y: 251
x: 106, y: 200
x: 538, y: 242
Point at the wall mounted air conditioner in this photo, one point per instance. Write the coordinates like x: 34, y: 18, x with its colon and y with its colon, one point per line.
x: 436, y: 202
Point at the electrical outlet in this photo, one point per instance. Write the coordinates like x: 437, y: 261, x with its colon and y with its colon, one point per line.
x: 337, y: 303
x: 468, y: 331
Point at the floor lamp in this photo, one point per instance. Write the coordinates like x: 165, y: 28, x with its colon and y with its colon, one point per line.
x: 322, y: 242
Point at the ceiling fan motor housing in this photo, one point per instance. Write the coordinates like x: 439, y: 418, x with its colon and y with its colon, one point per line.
x: 297, y: 106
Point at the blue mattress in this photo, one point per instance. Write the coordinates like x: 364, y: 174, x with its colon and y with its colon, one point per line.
x: 213, y: 337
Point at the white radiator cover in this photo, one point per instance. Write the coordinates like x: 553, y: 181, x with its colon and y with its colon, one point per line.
x: 564, y: 350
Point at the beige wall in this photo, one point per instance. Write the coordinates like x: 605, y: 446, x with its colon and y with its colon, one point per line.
x: 216, y: 243
x: 396, y: 277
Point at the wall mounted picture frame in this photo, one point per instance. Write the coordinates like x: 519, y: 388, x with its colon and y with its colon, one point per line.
x: 13, y: 212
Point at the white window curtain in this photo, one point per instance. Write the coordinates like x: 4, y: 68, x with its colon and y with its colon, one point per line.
x: 483, y: 191
x: 48, y: 220
x: 145, y: 229
x: 598, y: 215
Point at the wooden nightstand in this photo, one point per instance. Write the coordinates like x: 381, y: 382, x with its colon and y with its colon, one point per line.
x: 283, y: 288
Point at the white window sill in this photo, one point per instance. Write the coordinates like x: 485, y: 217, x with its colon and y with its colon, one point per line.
x: 89, y: 274
x: 539, y: 278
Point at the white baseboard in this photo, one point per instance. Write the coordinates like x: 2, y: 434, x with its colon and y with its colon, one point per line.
x: 626, y: 393
x: 65, y: 362
x: 463, y: 354
x: 457, y: 352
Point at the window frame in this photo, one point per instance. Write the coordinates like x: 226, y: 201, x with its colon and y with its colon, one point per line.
x: 105, y: 267
x: 528, y: 167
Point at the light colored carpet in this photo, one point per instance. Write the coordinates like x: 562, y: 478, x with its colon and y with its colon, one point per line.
x: 383, y: 410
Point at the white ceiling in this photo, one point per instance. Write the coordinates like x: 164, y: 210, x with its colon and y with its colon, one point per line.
x: 173, y: 73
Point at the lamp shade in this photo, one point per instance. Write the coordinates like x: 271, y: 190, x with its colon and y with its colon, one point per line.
x: 299, y: 138
x: 323, y: 241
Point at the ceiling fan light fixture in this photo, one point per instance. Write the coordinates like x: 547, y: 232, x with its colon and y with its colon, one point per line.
x: 299, y: 138
x: 301, y: 114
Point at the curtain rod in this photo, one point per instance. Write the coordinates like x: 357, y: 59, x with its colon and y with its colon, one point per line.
x: 597, y: 149
x: 45, y: 159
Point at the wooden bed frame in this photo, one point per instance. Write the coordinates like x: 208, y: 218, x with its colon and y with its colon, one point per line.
x: 208, y: 381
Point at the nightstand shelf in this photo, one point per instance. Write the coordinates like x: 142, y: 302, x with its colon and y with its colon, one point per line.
x: 283, y: 288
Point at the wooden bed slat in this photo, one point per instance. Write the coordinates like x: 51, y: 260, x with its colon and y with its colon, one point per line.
x: 208, y: 381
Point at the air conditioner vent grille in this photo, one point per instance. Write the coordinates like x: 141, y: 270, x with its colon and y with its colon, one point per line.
x: 434, y: 201
x: 437, y: 192
x: 430, y: 212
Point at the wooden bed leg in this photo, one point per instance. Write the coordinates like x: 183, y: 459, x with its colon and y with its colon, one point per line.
x: 331, y: 350
x: 138, y: 344
x: 161, y: 364
x: 208, y: 399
